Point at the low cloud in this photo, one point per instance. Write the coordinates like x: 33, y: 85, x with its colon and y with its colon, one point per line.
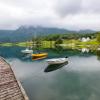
x: 65, y: 7
x: 69, y: 14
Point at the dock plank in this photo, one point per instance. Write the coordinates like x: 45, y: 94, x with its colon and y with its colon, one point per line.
x: 9, y: 86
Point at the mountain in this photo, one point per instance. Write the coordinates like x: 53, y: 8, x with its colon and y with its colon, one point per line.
x: 24, y: 33
x: 86, y: 31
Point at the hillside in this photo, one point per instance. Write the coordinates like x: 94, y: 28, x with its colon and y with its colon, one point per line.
x: 26, y: 33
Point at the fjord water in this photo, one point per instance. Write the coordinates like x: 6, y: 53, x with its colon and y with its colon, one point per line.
x: 77, y: 80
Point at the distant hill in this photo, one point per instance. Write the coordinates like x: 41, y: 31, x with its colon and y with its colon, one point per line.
x: 26, y: 33
x: 86, y: 31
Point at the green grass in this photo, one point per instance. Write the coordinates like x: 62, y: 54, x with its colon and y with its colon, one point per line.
x: 77, y: 42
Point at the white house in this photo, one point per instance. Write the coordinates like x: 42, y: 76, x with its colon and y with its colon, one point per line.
x: 85, y: 39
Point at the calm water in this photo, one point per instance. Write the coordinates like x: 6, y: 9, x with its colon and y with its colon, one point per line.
x: 77, y: 80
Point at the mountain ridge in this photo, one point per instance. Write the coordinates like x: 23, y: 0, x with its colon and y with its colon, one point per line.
x: 24, y: 33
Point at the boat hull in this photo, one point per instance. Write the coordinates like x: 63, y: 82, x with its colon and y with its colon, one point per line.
x: 27, y: 51
x: 39, y: 56
x: 53, y: 67
x: 57, y: 61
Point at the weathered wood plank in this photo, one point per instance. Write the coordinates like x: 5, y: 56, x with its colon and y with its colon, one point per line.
x: 10, y: 88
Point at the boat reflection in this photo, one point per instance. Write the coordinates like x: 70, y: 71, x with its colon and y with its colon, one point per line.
x: 26, y: 56
x: 54, y: 67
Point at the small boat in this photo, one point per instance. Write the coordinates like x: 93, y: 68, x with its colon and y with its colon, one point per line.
x: 57, y: 61
x: 27, y: 51
x: 39, y: 56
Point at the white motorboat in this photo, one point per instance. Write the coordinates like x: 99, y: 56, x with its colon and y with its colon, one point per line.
x: 57, y: 60
x: 53, y: 67
x: 27, y: 51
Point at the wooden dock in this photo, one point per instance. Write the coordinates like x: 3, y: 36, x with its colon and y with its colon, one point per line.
x: 10, y: 88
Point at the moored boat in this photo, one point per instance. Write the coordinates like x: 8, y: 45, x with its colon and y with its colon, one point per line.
x: 27, y: 51
x: 57, y: 60
x: 39, y: 56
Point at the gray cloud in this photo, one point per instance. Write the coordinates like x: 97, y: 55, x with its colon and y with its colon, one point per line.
x: 65, y: 7
x: 71, y: 14
x: 91, y: 6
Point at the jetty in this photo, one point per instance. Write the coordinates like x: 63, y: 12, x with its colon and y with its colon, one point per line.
x: 10, y: 87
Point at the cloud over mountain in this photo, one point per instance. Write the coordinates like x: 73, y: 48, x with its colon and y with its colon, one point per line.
x: 69, y: 14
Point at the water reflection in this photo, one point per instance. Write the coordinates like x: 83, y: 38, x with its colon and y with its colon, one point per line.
x: 26, y: 56
x: 85, y: 50
x: 79, y: 80
x: 54, y: 67
x: 15, y: 52
x: 98, y: 54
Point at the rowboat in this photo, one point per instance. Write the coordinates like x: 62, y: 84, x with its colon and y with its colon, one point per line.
x: 57, y: 60
x: 27, y: 51
x: 39, y: 56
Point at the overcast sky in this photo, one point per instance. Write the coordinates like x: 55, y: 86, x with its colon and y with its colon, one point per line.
x: 69, y: 14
